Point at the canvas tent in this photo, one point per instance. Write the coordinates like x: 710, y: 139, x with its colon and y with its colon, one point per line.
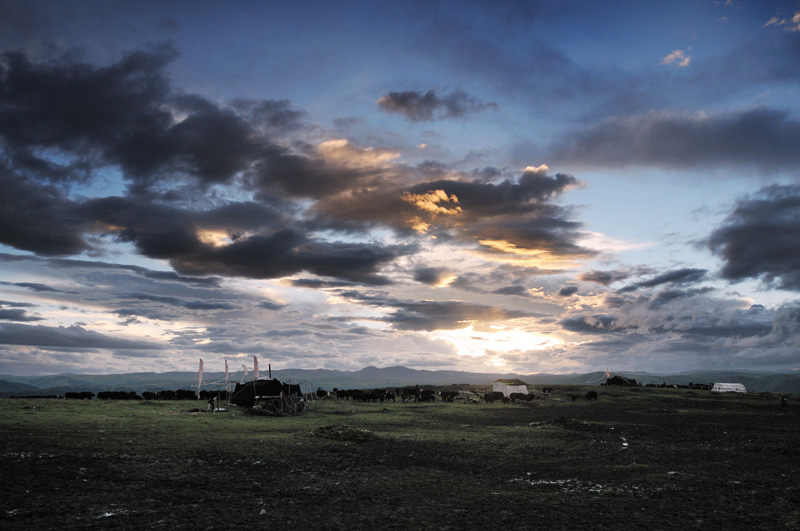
x: 621, y: 380
x: 510, y: 386
x: 720, y: 387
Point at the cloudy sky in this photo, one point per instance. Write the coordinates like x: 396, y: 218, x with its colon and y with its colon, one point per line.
x: 482, y: 186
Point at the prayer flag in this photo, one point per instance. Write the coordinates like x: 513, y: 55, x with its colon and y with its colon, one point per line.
x: 200, y: 378
x: 255, y: 368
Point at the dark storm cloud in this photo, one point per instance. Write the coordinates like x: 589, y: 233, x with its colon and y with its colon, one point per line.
x: 166, y: 232
x: 431, y: 275
x: 155, y: 314
x: 271, y: 306
x: 314, y: 283
x: 516, y: 210
x: 605, y: 277
x: 80, y: 109
x: 432, y: 315
x: 738, y: 325
x: 128, y: 115
x: 448, y: 315
x: 161, y: 276
x: 568, y: 291
x: 761, y: 138
x: 65, y: 337
x: 34, y: 286
x: 287, y: 252
x: 270, y: 114
x: 195, y: 304
x: 429, y: 106
x: 171, y: 146
x: 306, y: 175
x: 13, y: 304
x: 595, y: 324
x: 760, y: 239
x: 678, y: 276
x: 209, y: 282
x: 670, y: 295
x: 17, y: 315
x: 38, y: 218
x: 514, y: 289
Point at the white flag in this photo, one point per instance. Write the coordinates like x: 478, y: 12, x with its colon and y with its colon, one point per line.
x: 200, y: 378
x: 255, y: 368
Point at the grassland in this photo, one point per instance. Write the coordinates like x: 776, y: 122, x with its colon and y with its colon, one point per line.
x: 634, y: 459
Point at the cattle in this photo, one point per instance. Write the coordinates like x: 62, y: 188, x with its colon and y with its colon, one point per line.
x: 591, y: 395
x: 573, y: 397
x: 322, y: 393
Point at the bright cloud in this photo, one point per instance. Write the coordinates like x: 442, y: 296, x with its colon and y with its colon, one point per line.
x: 679, y: 58
x: 788, y: 24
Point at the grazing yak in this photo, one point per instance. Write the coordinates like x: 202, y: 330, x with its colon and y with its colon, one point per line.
x: 591, y: 395
x: 427, y: 395
x: 322, y: 393
x: 522, y: 397
x: 83, y: 395
x: 495, y: 396
x: 448, y: 396
x: 118, y: 395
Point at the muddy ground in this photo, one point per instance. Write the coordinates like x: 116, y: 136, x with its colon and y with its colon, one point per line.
x: 627, y: 461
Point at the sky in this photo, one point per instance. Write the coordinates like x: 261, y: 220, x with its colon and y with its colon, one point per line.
x: 529, y: 187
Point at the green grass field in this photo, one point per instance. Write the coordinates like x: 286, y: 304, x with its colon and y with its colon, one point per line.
x: 641, y: 458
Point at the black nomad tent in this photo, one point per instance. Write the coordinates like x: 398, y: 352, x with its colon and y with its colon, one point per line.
x: 621, y: 380
x: 246, y: 394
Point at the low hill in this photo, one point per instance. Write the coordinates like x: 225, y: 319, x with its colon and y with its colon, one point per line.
x: 370, y: 377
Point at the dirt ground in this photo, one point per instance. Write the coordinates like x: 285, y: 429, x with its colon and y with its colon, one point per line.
x: 623, y: 462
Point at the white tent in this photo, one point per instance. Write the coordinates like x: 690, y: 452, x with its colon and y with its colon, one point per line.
x: 510, y: 386
x: 728, y: 388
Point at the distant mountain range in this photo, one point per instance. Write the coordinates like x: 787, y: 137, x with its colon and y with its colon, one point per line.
x: 370, y: 377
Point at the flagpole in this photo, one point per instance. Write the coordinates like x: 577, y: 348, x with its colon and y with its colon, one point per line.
x: 255, y: 377
x: 227, y: 392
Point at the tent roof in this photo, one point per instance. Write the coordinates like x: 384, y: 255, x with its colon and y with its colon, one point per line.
x: 722, y: 386
x: 512, y: 381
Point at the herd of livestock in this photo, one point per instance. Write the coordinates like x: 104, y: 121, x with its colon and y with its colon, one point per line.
x: 405, y: 394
